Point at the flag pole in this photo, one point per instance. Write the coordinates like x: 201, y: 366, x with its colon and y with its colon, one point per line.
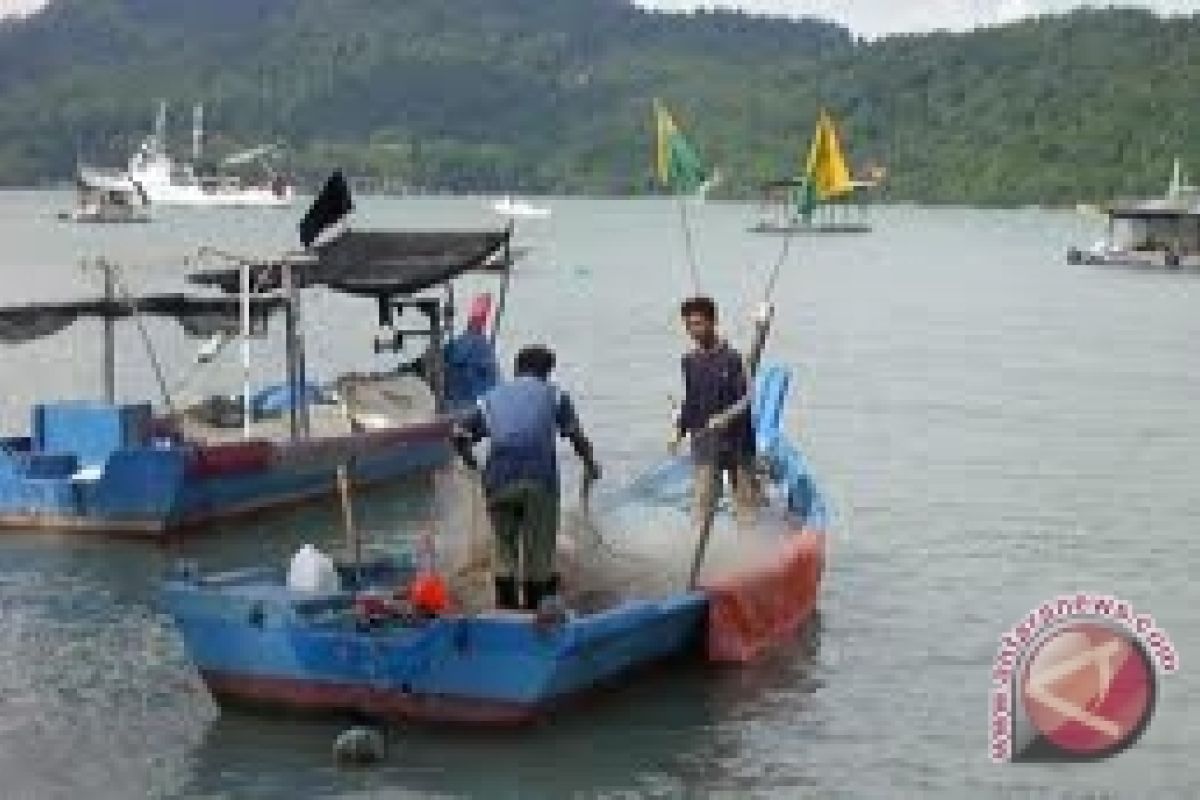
x: 689, y: 247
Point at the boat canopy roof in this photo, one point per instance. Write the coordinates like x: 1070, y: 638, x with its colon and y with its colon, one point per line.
x: 1151, y: 212
x: 381, y: 263
x: 1178, y: 203
x: 198, y: 316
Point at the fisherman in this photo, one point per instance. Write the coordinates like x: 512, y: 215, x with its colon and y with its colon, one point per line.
x: 470, y: 358
x: 715, y: 412
x: 522, y: 417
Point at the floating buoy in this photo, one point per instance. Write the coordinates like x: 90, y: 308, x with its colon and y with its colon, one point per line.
x: 429, y: 594
x: 359, y: 746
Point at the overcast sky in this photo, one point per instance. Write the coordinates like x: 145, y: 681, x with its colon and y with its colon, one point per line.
x: 875, y: 17
x: 19, y: 6
x: 866, y: 17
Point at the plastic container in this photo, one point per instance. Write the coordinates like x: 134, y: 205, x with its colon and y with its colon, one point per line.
x: 312, y: 571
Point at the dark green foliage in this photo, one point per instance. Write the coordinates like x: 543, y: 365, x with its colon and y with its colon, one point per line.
x: 555, y: 95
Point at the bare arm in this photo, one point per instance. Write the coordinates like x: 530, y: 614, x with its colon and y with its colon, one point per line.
x: 572, y: 431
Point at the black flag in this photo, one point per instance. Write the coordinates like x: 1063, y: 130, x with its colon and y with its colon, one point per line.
x: 332, y: 203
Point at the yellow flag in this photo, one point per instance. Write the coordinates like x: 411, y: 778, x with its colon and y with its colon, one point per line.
x: 826, y: 167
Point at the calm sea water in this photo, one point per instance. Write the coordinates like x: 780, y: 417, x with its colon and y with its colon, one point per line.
x: 992, y: 426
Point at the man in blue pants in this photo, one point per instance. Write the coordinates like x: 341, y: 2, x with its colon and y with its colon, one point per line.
x: 523, y: 419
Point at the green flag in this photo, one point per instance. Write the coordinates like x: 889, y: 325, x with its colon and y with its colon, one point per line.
x: 677, y: 165
x: 804, y: 198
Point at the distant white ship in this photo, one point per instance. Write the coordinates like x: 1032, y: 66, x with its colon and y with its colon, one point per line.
x: 167, y: 182
x: 509, y: 206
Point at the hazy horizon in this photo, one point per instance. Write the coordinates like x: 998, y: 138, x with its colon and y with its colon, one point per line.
x: 869, y: 18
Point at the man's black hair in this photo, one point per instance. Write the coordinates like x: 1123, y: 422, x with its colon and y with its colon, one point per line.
x: 536, y: 360
x: 700, y: 304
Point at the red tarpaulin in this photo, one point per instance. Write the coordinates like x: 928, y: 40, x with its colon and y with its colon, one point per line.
x: 758, y: 608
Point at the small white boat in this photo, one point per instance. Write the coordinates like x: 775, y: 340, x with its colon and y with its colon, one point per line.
x: 1150, y: 232
x: 107, y: 198
x: 510, y: 207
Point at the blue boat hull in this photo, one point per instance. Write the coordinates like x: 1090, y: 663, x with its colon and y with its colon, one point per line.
x: 255, y: 641
x: 97, y: 469
x: 259, y: 643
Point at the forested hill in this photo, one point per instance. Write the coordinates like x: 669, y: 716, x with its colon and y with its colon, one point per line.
x: 555, y: 95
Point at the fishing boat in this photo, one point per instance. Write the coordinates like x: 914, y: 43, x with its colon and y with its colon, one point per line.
x: 511, y: 207
x: 369, y: 643
x: 825, y: 199
x: 167, y: 181
x: 133, y: 468
x: 1150, y: 232
x: 107, y: 198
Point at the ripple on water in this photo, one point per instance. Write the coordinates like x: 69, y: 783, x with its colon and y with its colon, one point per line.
x: 96, y: 699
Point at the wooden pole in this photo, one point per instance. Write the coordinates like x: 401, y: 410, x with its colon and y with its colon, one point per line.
x: 110, y: 348
x: 245, y: 307
x: 702, y: 543
x: 289, y: 324
x: 353, y: 540
x: 437, y: 357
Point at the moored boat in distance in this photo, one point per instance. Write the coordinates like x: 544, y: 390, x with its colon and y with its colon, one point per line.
x: 369, y: 644
x: 166, y: 181
x: 511, y: 207
x: 1150, y: 232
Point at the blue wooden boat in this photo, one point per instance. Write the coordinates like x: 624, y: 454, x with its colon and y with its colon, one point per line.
x: 256, y: 641
x: 102, y: 468
x: 131, y: 468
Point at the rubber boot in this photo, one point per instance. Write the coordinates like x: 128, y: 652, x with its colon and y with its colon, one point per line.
x: 550, y: 609
x: 534, y: 590
x: 506, y: 594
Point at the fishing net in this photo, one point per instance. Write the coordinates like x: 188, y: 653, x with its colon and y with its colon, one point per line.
x: 761, y: 567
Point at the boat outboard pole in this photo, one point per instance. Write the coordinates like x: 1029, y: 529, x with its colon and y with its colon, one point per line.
x: 244, y: 275
x: 332, y: 203
x: 289, y: 335
x: 301, y: 376
x: 353, y: 540
x: 110, y: 349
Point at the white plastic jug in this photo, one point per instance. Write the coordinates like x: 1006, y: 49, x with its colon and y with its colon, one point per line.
x: 312, y: 571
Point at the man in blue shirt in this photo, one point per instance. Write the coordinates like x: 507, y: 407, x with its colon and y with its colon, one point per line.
x: 470, y: 359
x: 523, y: 419
x: 715, y: 412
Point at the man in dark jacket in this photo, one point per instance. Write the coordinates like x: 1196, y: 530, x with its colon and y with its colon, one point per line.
x: 523, y: 419
x: 715, y: 412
